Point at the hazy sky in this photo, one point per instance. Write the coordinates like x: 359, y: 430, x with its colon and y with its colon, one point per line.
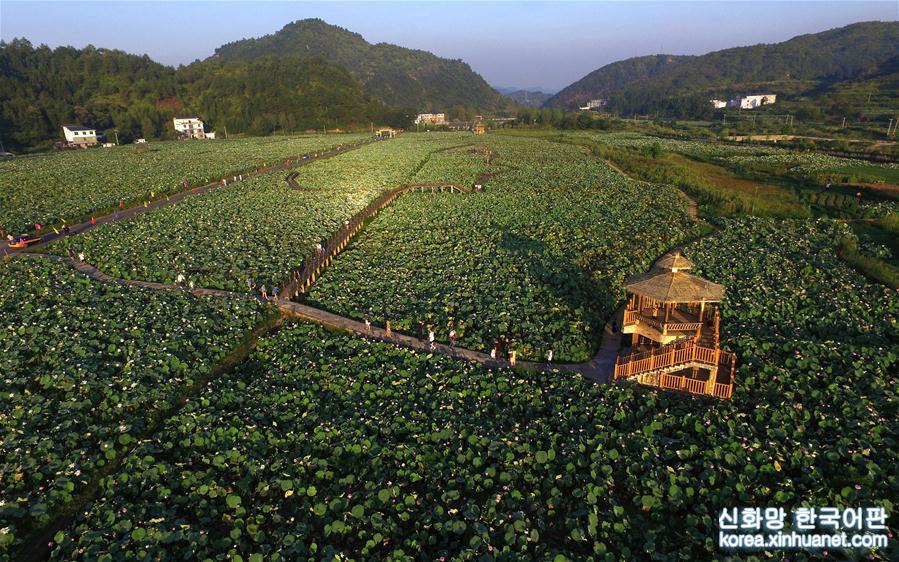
x: 508, y: 43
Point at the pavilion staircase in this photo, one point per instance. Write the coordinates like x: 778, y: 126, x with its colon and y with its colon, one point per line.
x: 657, y: 367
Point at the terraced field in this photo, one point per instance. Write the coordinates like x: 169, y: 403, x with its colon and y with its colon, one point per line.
x: 65, y: 186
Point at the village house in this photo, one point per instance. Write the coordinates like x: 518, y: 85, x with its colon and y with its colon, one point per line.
x: 76, y: 134
x: 430, y: 119
x: 594, y: 104
x: 189, y: 127
x: 753, y: 101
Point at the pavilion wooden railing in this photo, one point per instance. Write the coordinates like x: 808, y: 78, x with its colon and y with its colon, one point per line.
x: 649, y: 368
x: 632, y: 317
x: 669, y: 356
x: 299, y: 281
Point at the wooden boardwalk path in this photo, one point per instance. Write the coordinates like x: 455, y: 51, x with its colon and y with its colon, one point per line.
x: 599, y: 369
x: 172, y: 199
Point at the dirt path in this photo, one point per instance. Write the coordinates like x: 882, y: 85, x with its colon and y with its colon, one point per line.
x: 129, y: 212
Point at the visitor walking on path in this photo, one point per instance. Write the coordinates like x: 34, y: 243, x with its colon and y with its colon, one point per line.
x: 66, y: 230
x: 180, y: 279
x: 389, y: 331
x: 275, y: 292
x: 367, y: 323
x: 263, y: 292
x: 430, y: 339
x: 190, y: 284
x: 549, y: 356
x: 452, y: 336
x: 81, y: 257
x: 493, y: 353
x: 512, y: 358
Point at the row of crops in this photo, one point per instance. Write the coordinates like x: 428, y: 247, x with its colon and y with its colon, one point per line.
x: 65, y: 186
x: 258, y: 229
x: 84, y: 368
x: 327, y: 446
x: 538, y: 258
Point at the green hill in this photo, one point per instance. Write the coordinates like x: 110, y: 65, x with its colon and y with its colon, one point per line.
x: 43, y: 89
x: 804, y: 65
x: 528, y: 98
x: 611, y: 78
x: 397, y: 76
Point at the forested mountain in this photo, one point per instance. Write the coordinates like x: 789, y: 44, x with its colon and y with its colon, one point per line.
x: 611, y: 78
x: 806, y: 64
x: 288, y: 93
x: 397, y: 76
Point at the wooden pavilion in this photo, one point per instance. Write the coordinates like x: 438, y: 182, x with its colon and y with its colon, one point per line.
x: 672, y: 318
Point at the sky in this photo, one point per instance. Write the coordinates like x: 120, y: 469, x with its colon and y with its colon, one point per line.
x: 511, y: 44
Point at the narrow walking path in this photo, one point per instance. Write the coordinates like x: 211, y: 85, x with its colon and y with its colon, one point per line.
x: 691, y: 204
x: 599, y: 369
x: 124, y: 214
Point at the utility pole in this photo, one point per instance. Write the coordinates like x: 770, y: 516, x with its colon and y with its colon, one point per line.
x: 843, y: 126
x: 226, y: 130
x: 890, y: 126
x: 116, y: 133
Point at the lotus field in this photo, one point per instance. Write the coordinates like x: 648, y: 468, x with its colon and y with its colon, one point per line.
x: 85, y: 367
x: 154, y: 425
x: 539, y: 257
x: 66, y: 186
x: 327, y: 446
x: 259, y: 228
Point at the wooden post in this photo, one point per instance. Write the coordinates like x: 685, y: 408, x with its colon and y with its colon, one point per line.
x: 717, y: 324
x: 713, y: 378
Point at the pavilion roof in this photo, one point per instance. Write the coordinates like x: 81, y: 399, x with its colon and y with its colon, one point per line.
x: 674, y: 287
x: 674, y: 261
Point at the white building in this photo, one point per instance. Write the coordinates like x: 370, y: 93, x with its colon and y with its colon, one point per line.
x: 718, y: 104
x: 753, y: 101
x: 189, y: 127
x: 76, y: 134
x: 594, y: 104
x: 430, y: 119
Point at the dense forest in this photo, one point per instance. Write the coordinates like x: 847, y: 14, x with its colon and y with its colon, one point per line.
x: 397, y: 76
x: 806, y: 65
x: 43, y: 89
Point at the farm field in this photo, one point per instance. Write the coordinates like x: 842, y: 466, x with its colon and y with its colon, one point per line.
x: 259, y: 228
x: 69, y: 185
x: 128, y: 415
x: 406, y: 454
x: 539, y: 257
x: 85, y: 367
x: 731, y: 179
